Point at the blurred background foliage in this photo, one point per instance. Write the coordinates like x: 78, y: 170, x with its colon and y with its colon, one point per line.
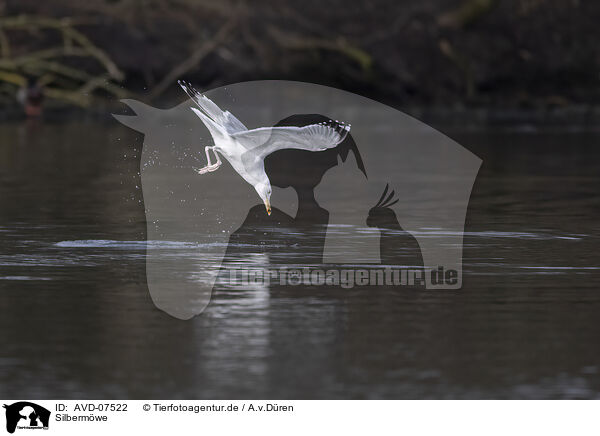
x: 483, y: 53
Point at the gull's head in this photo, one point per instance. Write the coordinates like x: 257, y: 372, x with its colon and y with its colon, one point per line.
x: 264, y: 191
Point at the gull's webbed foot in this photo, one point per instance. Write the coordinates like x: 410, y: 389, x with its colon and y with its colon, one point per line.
x: 208, y: 168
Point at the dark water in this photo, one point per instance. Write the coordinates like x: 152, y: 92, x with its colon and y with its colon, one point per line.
x: 77, y: 320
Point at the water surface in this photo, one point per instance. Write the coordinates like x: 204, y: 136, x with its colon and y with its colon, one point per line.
x: 78, y: 322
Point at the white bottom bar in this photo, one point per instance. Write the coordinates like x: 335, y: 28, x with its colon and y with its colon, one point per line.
x: 283, y: 417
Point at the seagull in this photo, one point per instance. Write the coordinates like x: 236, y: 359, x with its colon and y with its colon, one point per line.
x: 246, y: 149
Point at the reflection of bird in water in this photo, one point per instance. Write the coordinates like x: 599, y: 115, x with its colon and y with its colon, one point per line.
x: 246, y: 149
x: 31, y: 97
x: 397, y: 247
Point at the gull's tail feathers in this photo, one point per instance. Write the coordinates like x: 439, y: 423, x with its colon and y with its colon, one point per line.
x: 214, y: 129
x: 225, y: 121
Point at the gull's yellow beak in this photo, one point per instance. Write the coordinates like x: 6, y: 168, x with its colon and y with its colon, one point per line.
x: 268, y: 206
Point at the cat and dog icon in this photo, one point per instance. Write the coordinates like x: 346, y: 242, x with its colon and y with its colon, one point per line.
x: 27, y: 415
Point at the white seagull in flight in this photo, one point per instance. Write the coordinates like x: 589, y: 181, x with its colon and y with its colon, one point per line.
x: 246, y: 149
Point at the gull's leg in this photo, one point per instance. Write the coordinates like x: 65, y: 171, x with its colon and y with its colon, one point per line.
x: 206, y: 150
x: 209, y: 165
x: 218, y: 163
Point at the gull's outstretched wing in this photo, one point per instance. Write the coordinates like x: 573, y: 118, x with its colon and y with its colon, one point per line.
x: 224, y: 119
x: 314, y: 137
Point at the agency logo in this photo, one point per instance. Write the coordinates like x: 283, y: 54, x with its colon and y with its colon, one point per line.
x: 284, y: 179
x: 25, y: 415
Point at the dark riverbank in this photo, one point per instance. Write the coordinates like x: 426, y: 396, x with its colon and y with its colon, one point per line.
x: 525, y: 54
